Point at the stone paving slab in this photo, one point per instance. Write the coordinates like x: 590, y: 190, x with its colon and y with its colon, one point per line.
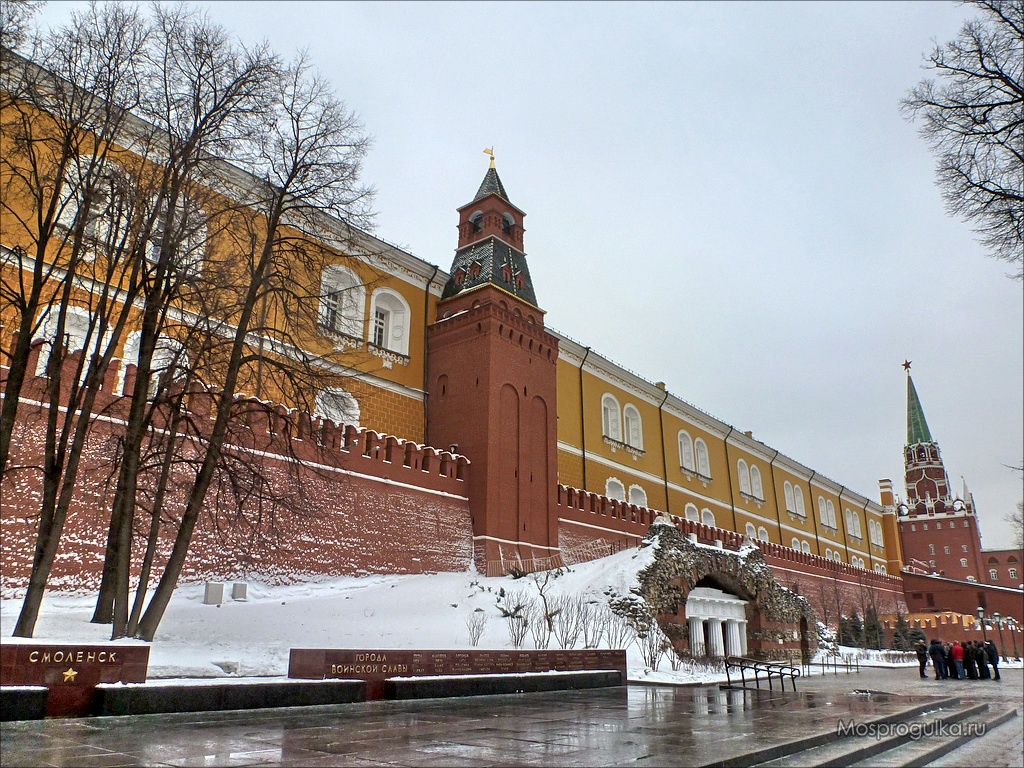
x: 650, y: 726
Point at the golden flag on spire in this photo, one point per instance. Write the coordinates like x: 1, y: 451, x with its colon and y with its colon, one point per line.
x: 490, y: 152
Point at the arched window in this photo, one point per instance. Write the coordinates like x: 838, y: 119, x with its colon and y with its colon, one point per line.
x: 691, y: 513
x: 993, y: 574
x: 637, y: 495
x: 744, y: 476
x: 751, y: 531
x: 1013, y: 573
x: 762, y: 533
x: 342, y: 298
x: 168, y: 358
x: 787, y: 489
x: 76, y: 334
x: 796, y: 543
x: 931, y: 549
x: 610, y: 419
x: 798, y: 498
x: 707, y: 517
x: 634, y: 426
x: 963, y: 562
x: 185, y: 238
x: 106, y: 187
x: 755, y: 483
x: 828, y: 553
x: 337, y: 405
x: 614, y: 489
x: 822, y: 512
x: 703, y: 463
x: 686, y: 450
x: 805, y: 547
x: 831, y: 509
x: 389, y: 321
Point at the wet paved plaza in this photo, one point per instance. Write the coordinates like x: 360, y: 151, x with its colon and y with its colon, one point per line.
x: 646, y: 725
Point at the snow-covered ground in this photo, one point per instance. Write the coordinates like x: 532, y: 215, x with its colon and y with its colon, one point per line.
x: 252, y: 638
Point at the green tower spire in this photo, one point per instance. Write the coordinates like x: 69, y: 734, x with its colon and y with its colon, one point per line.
x: 917, y: 427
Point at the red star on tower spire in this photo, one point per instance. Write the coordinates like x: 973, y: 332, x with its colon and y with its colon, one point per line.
x: 906, y: 366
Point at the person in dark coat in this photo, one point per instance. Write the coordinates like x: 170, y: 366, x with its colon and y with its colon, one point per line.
x: 982, y: 656
x: 970, y: 660
x: 935, y: 650
x: 922, y: 656
x: 993, y: 658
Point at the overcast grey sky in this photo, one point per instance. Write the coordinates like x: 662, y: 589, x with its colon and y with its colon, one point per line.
x: 722, y: 196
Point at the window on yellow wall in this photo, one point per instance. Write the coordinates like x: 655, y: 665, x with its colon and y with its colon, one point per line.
x: 805, y: 547
x: 707, y: 517
x: 744, y: 476
x: 755, y: 483
x: 798, y: 500
x: 830, y: 509
x: 703, y: 462
x: 787, y: 490
x: 686, y: 451
x: 751, y: 531
x: 762, y: 533
x: 614, y: 489
x: 637, y: 495
x: 389, y: 321
x: 691, y: 513
x: 634, y: 426
x: 610, y: 419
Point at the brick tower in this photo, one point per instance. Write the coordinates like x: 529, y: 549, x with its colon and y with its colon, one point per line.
x: 938, y: 532
x: 491, y: 381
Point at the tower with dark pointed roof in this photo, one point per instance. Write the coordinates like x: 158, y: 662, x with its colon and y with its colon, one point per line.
x: 491, y: 383
x: 938, y: 530
x: 926, y: 479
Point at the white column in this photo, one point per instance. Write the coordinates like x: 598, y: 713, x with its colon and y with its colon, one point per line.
x: 741, y: 627
x: 717, y: 641
x: 696, y: 636
x: 733, y: 645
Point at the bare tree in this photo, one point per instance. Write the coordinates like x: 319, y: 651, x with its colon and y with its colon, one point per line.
x: 15, y: 17
x: 971, y: 118
x: 121, y: 200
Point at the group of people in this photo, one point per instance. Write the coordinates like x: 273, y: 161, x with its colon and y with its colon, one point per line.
x: 969, y: 660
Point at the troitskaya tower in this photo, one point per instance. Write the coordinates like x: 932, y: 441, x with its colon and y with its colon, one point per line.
x: 491, y: 382
x: 938, y: 530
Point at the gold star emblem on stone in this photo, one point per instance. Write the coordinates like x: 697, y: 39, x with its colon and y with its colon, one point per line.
x: 69, y: 675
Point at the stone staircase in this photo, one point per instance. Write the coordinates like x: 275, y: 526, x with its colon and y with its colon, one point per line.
x: 913, y: 737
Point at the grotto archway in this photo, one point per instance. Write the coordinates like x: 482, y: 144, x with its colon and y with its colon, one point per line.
x: 778, y: 623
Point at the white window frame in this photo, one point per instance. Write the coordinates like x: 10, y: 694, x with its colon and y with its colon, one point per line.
x: 805, y: 547
x: 686, y: 460
x: 993, y: 574
x: 831, y: 509
x: 614, y: 489
x: 342, y: 301
x: 751, y: 531
x: 756, y: 489
x: 633, y: 427
x: 744, y: 476
x: 391, y: 332
x: 707, y: 517
x: 798, y: 499
x: 700, y: 451
x: 762, y: 533
x: 611, y: 417
x: 690, y: 513
x: 637, y: 495
x: 787, y: 490
x: 963, y: 562
x: 337, y: 405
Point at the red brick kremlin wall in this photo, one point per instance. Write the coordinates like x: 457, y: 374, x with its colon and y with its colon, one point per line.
x: 587, y: 519
x: 366, y: 503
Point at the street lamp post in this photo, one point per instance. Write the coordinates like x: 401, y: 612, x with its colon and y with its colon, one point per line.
x: 981, y: 619
x: 999, y: 625
x: 1013, y: 636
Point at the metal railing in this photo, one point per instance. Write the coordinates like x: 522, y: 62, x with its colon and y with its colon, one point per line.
x: 769, y: 669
